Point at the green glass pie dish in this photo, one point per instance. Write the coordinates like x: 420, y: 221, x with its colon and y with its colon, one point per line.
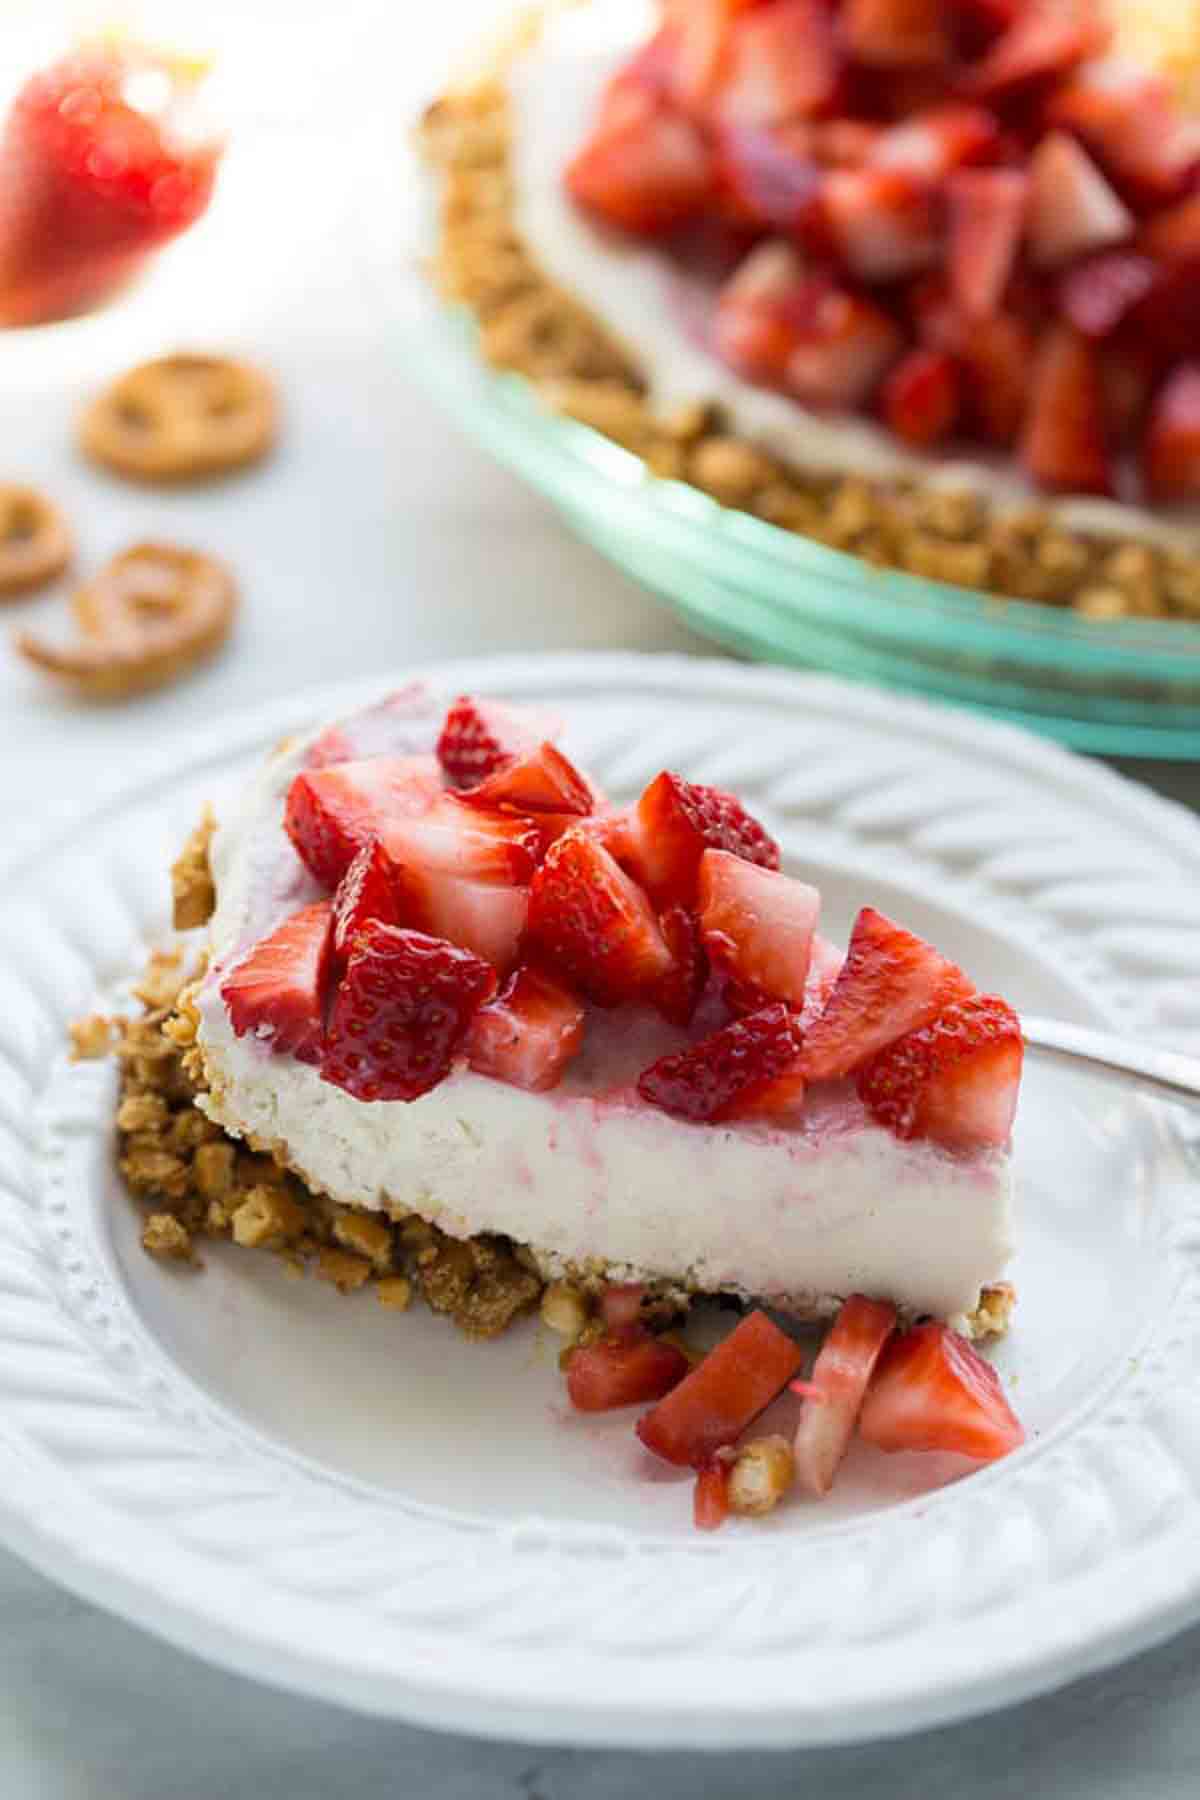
x: 1127, y: 687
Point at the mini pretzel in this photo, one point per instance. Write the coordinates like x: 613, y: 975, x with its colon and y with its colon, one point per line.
x: 35, y: 544
x: 180, y: 418
x: 148, y: 617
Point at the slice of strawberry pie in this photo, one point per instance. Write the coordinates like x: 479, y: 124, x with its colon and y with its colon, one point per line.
x: 449, y: 978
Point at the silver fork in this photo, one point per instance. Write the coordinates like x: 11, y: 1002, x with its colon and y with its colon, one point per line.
x: 1167, y: 1072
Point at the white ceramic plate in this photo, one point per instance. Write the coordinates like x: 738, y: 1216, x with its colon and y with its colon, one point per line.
x: 359, y: 1505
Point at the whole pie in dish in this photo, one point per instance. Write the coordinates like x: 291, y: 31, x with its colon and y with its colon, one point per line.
x: 478, y: 1015
x: 919, y: 280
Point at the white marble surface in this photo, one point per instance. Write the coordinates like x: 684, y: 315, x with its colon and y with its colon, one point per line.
x: 376, y: 539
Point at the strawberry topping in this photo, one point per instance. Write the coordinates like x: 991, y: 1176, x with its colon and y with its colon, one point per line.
x: 710, y: 1497
x: 676, y: 821
x: 537, y: 782
x: 954, y: 1080
x: 757, y: 925
x: 896, y: 33
x: 716, y: 1400
x: 678, y: 994
x: 932, y: 1391
x: 922, y: 397
x: 332, y: 812
x: 480, y: 736
x: 730, y: 1073
x: 891, y: 983
x: 368, y: 890
x: 647, y: 169
x: 1072, y: 209
x: 626, y: 1369
x: 528, y: 1034
x: 276, y: 993
x: 1171, y: 454
x: 401, y: 1015
x: 836, y: 1389
x: 591, y: 922
x: 1065, y: 442
x: 987, y: 218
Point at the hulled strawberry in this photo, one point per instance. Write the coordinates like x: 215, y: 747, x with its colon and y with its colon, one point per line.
x: 484, y: 916
x: 954, y: 1080
x: 539, y: 783
x: 276, y: 993
x: 625, y: 1369
x: 932, y: 1391
x: 713, y: 1404
x: 400, y: 1018
x: 331, y: 812
x: 528, y: 1034
x: 749, y: 1068
x: 676, y: 821
x: 891, y: 983
x: 757, y: 926
x: 590, y: 921
x: 837, y: 1387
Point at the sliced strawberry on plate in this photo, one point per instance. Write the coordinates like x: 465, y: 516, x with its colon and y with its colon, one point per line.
x: 987, y: 220
x: 650, y: 173
x: 1173, y: 235
x: 896, y: 34
x: 528, y: 1034
x: 891, y: 982
x: 1072, y: 209
x: 749, y: 1068
x: 368, y: 890
x: 676, y: 821
x: 932, y: 1391
x: 1128, y: 118
x: 767, y: 177
x: 332, y: 812
x: 933, y: 144
x: 1171, y: 447
x: 679, y: 992
x: 954, y: 1080
x: 1098, y: 295
x: 757, y: 925
x: 710, y: 1497
x: 780, y: 63
x: 400, y: 1018
x: 625, y: 1369
x: 276, y: 993
x: 881, y: 223
x: 480, y: 736
x: 1064, y: 444
x: 718, y: 1398
x: 592, y: 922
x: 921, y: 398
x: 1044, y: 43
x: 997, y: 357
x: 837, y: 1387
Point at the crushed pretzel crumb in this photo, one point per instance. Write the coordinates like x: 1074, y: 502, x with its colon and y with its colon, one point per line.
x: 91, y: 1038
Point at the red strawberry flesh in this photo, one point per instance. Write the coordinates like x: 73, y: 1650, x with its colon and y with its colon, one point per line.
x: 528, y: 1034
x: 676, y: 821
x: 954, y: 1080
x: 932, y: 1391
x: 276, y: 993
x: 399, y: 1020
x: 730, y: 1073
x: 366, y: 891
x: 480, y: 736
x: 332, y: 812
x: 710, y: 1497
x: 837, y: 1387
x: 757, y: 925
x: 623, y: 1370
x: 717, y: 1399
x: 593, y: 924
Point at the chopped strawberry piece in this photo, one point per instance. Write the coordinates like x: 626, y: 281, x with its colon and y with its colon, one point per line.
x: 1097, y: 296
x: 588, y: 919
x: 935, y: 143
x: 528, y: 1034
x: 1127, y: 378
x: 1174, y: 235
x: 710, y: 1497
x: 482, y: 916
x: 650, y: 173
x: 678, y: 994
x: 776, y: 322
x: 729, y: 1074
x: 539, y: 782
x: 845, y: 143
x: 954, y: 1080
x: 757, y: 925
x: 896, y: 33
x: 1044, y: 43
x: 277, y: 991
x: 987, y: 219
x: 837, y: 1387
x: 997, y: 357
x: 1171, y: 448
x: 400, y: 1018
x: 332, y: 812
x: 825, y: 965
x: 932, y: 1391
x: 781, y: 62
x: 1167, y: 322
x: 1072, y: 209
x: 921, y: 399
x: 621, y: 1305
x: 880, y: 223
x: 767, y: 178
x: 1128, y: 118
x: 1065, y: 438
x: 480, y: 736
x: 717, y: 1399
x: 91, y: 181
x: 368, y: 890
x: 454, y: 837
x: 676, y: 821
x: 624, y: 1370
x: 890, y: 983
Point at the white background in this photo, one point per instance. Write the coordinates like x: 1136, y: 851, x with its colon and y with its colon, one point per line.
x: 375, y: 539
